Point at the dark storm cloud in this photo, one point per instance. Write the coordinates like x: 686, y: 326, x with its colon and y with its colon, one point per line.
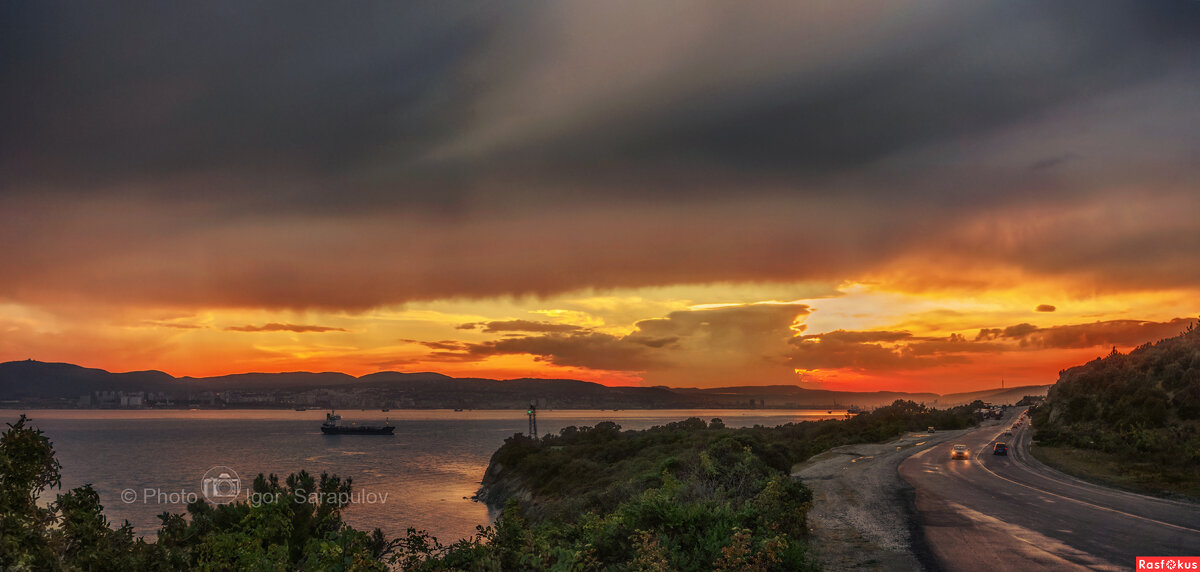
x: 707, y: 346
x: 720, y: 325
x: 527, y: 326
x: 833, y: 104
x: 356, y: 96
x: 897, y: 350
x: 587, y: 349
x: 761, y: 344
x: 258, y: 155
x: 1112, y: 332
x: 257, y: 92
x: 443, y: 345
x: 821, y: 354
x: 882, y: 350
x: 1018, y: 331
x: 860, y: 336
x: 1050, y: 162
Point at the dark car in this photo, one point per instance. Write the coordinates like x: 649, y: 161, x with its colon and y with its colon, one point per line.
x: 1000, y: 449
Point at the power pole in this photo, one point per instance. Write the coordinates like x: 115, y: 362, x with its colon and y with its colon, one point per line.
x: 533, y: 433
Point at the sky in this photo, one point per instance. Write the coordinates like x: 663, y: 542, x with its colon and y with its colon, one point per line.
x: 925, y: 195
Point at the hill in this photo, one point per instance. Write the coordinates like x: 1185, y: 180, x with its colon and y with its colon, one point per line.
x: 38, y: 384
x: 1139, y: 413
x: 22, y: 380
x: 1005, y: 396
x: 783, y: 395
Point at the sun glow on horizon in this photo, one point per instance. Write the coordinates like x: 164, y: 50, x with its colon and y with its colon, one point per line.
x: 865, y: 337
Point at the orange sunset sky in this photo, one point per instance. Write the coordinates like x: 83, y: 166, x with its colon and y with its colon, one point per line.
x: 917, y: 196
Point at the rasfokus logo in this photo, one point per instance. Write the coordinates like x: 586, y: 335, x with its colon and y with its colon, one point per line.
x: 221, y: 485
x: 1167, y: 563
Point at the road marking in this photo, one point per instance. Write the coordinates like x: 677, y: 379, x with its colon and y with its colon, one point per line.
x: 1038, y: 543
x: 1083, y: 502
x: 1051, y: 474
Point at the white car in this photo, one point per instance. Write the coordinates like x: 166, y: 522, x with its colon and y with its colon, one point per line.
x: 960, y: 452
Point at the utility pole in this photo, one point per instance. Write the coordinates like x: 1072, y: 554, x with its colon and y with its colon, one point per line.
x: 533, y: 433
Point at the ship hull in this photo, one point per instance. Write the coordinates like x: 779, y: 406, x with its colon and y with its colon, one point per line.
x: 358, y: 430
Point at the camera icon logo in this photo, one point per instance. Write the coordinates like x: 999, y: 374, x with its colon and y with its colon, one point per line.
x: 221, y: 485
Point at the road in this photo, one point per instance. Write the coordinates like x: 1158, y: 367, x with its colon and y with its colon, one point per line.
x: 1000, y: 513
x: 860, y: 519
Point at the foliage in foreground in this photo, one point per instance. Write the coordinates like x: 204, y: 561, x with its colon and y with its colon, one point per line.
x: 687, y: 496
x: 595, y: 468
x: 300, y: 528
x: 1141, y: 408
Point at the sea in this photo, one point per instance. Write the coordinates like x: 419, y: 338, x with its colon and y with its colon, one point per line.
x: 146, y: 462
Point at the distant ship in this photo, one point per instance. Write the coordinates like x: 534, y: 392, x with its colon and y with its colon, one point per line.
x: 333, y: 426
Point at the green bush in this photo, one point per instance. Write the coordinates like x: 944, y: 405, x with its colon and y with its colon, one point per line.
x: 688, y: 495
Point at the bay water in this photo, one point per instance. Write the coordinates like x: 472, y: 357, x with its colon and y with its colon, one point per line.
x: 146, y: 462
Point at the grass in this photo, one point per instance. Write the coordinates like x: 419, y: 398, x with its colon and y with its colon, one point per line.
x: 1109, y: 470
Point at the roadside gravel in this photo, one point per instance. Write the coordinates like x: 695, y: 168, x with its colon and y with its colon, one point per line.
x: 862, y: 517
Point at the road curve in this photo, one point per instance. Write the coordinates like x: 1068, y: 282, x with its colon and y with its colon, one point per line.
x: 1014, y: 513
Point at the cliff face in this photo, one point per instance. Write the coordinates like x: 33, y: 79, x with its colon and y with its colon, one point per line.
x: 499, y: 485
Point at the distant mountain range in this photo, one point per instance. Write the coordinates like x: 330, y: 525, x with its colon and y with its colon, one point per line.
x: 39, y: 384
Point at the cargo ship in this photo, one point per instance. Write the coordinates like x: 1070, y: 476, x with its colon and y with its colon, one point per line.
x: 334, y: 426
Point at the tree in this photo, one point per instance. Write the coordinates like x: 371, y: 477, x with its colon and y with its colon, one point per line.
x: 27, y: 468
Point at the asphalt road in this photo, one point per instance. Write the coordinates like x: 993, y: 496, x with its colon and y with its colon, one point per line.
x: 1011, y: 512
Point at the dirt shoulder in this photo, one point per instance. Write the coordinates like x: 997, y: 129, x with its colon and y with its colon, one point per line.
x: 862, y: 517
